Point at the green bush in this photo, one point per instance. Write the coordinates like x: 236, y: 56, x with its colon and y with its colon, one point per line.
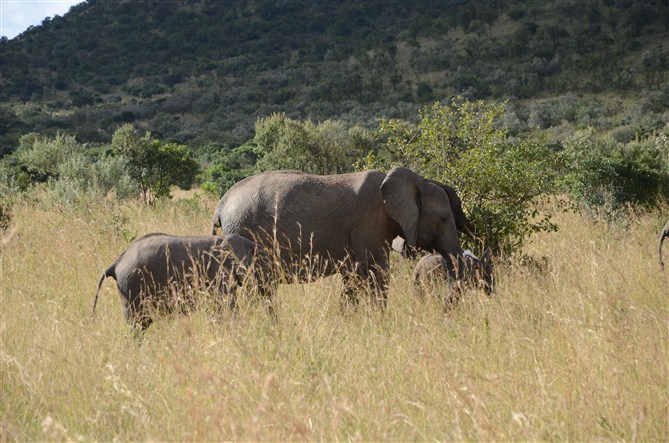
x: 43, y: 157
x: 155, y: 166
x: 500, y: 181
x: 606, y: 176
x: 68, y: 168
x: 220, y: 177
x: 9, y: 189
x: 328, y: 147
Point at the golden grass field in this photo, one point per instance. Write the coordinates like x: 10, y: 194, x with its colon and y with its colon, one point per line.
x: 576, y: 349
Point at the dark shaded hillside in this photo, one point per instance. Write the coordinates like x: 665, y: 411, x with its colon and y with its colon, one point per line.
x: 197, y: 70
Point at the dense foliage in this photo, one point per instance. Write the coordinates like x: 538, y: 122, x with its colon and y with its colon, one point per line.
x: 324, y: 148
x: 154, y: 166
x: 576, y: 98
x: 606, y: 176
x: 499, y: 180
x: 503, y: 181
x: 199, y: 71
x: 134, y: 165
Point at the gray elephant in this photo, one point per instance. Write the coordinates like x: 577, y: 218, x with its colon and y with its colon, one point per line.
x: 154, y: 274
x: 663, y: 234
x: 320, y: 225
x: 461, y: 223
x: 466, y: 268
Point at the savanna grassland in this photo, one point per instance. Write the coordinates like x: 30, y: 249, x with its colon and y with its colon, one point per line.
x: 573, y: 345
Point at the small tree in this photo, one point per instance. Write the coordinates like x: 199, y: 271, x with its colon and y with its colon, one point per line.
x: 228, y: 167
x: 605, y: 176
x: 69, y: 169
x: 43, y: 157
x: 324, y: 148
x: 154, y: 165
x: 499, y: 180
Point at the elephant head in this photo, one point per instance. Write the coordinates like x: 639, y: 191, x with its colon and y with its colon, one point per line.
x: 423, y: 211
x: 461, y: 221
x: 462, y: 224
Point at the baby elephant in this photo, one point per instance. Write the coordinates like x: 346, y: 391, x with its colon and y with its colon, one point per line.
x: 154, y: 274
x: 468, y: 268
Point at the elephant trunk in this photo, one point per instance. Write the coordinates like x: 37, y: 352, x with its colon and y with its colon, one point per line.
x: 216, y: 224
x: 467, y: 229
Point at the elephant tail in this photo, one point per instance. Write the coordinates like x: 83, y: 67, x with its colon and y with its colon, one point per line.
x: 109, y: 272
x: 663, y: 235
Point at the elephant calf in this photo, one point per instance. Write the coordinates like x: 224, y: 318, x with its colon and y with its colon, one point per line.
x: 467, y: 268
x: 158, y: 271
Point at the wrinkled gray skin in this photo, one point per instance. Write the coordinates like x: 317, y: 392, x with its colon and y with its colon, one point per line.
x: 467, y: 268
x: 339, y: 223
x: 664, y: 234
x: 154, y: 272
x: 461, y: 223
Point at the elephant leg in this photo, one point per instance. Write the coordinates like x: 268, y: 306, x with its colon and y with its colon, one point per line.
x: 371, y: 280
x: 453, y: 293
x: 137, y: 318
x: 350, y: 283
x: 134, y: 314
x: 271, y: 305
x: 265, y: 293
x: 378, y: 287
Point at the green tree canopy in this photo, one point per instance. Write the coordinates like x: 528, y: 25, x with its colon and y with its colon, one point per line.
x: 324, y: 148
x: 606, y: 176
x: 44, y: 157
x: 499, y: 180
x: 154, y: 165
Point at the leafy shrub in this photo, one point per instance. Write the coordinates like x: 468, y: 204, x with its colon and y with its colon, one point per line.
x: 499, y: 180
x: 623, y: 134
x: 605, y: 176
x: 112, y: 176
x: 8, y: 191
x: 220, y: 177
x: 76, y: 181
x: 153, y: 165
x: 69, y: 169
x: 324, y: 148
x: 43, y: 157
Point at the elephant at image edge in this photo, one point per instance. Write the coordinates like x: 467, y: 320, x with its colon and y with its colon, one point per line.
x: 663, y: 234
x: 340, y: 223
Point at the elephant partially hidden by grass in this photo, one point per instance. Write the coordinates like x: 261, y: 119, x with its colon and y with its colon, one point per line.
x: 467, y: 268
x: 319, y: 225
x: 160, y: 273
x: 663, y: 234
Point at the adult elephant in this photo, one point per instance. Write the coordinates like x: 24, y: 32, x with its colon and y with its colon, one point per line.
x: 344, y: 223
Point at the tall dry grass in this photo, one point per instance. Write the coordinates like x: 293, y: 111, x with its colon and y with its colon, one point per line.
x: 573, y: 347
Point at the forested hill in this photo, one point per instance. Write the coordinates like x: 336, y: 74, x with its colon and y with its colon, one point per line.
x: 204, y: 70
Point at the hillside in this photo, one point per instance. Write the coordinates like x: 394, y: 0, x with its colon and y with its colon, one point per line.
x: 198, y: 71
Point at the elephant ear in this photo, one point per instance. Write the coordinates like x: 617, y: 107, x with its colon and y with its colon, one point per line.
x: 461, y: 221
x: 399, y: 192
